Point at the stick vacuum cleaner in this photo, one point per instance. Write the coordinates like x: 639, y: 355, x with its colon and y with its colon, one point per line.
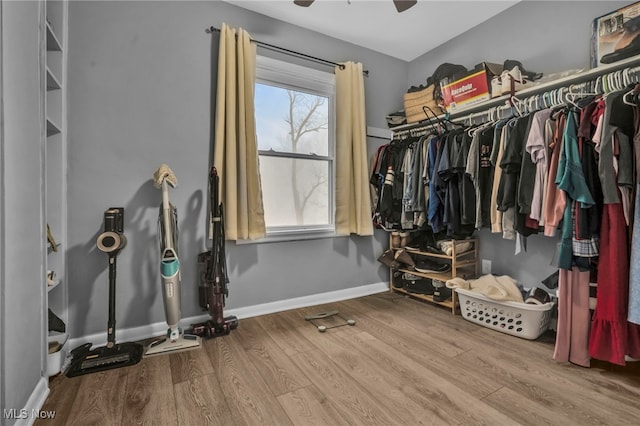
x: 114, y: 355
x: 175, y: 339
x: 213, y: 273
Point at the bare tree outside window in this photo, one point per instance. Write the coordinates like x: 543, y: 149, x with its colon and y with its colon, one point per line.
x: 292, y: 129
x: 305, y: 117
x: 295, y: 116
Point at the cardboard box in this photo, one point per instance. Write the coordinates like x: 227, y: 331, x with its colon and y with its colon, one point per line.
x: 415, y: 101
x: 470, y: 89
x: 616, y: 35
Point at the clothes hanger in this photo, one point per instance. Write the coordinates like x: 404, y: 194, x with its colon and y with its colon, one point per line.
x: 626, y: 99
x: 571, y: 95
x: 617, y: 81
x: 532, y: 103
x: 633, y: 76
x: 599, y: 89
x: 553, y: 97
x: 631, y: 96
x: 515, y: 105
x: 432, y: 124
x: 620, y: 79
x: 442, y: 121
x: 494, y: 114
x: 469, y: 117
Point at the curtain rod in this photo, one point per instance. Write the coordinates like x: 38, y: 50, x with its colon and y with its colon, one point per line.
x: 289, y: 52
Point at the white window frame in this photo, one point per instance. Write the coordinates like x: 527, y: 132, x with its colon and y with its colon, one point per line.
x: 286, y: 75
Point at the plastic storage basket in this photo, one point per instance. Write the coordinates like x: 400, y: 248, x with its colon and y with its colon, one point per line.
x: 518, y: 319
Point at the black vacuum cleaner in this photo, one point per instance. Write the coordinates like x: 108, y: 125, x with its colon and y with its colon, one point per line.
x: 213, y: 288
x: 114, y: 355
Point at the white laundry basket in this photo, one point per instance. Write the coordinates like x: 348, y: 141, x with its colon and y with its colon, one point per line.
x: 518, y: 319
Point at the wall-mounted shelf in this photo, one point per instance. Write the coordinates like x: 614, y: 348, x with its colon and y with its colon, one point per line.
x: 52, y: 128
x: 55, y: 97
x: 55, y: 284
x: 50, y: 249
x: 535, y: 89
x: 53, y: 44
x: 52, y: 81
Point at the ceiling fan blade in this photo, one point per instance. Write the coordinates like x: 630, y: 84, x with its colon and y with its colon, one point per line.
x: 402, y: 5
x: 303, y: 3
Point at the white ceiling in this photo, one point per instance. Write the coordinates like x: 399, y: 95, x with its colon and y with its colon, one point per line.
x: 377, y: 25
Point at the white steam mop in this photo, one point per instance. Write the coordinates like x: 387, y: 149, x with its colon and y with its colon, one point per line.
x: 175, y: 339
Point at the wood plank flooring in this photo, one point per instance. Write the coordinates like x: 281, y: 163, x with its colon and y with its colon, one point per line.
x: 405, y: 362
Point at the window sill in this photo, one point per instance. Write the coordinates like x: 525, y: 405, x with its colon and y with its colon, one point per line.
x: 285, y: 236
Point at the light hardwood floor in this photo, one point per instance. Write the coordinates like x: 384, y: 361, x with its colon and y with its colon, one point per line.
x: 405, y: 362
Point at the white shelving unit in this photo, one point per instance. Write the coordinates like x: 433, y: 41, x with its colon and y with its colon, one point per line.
x: 56, y: 15
x: 463, y: 265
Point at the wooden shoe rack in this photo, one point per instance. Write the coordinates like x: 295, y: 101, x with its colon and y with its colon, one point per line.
x: 463, y: 265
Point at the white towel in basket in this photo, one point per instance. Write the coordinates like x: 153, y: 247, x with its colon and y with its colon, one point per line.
x: 501, y: 287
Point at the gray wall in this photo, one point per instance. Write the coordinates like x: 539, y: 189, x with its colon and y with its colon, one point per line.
x: 139, y: 96
x: 22, y: 249
x: 546, y: 37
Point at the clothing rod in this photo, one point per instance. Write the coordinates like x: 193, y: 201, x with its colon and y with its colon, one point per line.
x: 377, y: 137
x: 290, y: 52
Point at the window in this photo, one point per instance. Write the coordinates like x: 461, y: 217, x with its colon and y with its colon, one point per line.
x: 294, y: 108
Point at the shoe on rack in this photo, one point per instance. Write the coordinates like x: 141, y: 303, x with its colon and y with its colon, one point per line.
x: 416, y: 284
x: 429, y: 266
x: 388, y: 258
x: 441, y: 292
x: 424, y: 241
x: 404, y: 239
x: 402, y: 256
x: 395, y: 239
x: 398, y: 280
x: 461, y: 246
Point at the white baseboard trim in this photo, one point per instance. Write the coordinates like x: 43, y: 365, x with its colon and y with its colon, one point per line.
x: 159, y: 328
x: 313, y: 300
x: 31, y: 411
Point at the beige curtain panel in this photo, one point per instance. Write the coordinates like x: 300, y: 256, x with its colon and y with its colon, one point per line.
x: 235, y: 143
x: 353, y: 203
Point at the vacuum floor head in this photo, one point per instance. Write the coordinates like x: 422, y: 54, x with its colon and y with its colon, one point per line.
x: 87, y: 360
x: 183, y: 343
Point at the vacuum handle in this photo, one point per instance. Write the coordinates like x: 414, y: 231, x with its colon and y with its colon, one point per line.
x: 166, y: 216
x: 111, y: 324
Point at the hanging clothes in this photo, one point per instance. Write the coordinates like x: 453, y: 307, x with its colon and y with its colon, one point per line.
x: 612, y: 337
x: 634, y: 273
x: 437, y: 186
x: 572, y: 335
x: 571, y: 180
x: 588, y: 219
x: 496, y: 158
x: 537, y: 147
x: 480, y: 170
x: 523, y: 224
x: 633, y: 315
x: 555, y: 201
